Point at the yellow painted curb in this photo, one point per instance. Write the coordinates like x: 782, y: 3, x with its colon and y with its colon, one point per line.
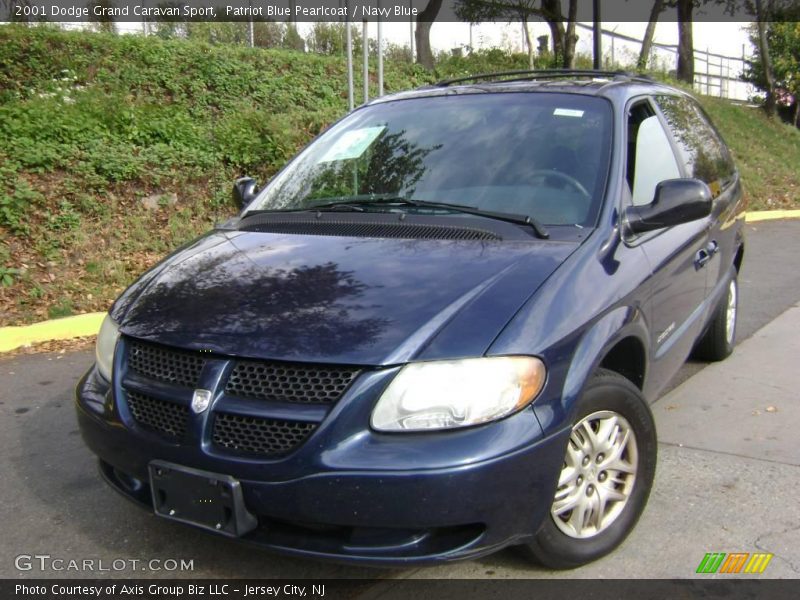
x: 57, y: 329
x: 771, y: 215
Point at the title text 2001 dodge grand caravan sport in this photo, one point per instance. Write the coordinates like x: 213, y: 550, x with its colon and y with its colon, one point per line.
x: 436, y: 332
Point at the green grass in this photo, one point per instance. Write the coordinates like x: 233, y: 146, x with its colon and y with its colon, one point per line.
x: 91, y: 123
x: 767, y: 153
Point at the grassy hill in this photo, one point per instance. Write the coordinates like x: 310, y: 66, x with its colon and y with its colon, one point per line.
x: 92, y: 124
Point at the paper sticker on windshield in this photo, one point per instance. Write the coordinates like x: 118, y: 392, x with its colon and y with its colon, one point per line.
x: 567, y: 112
x: 352, y: 144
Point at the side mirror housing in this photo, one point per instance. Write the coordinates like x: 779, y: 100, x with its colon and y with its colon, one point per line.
x: 244, y: 190
x: 676, y: 201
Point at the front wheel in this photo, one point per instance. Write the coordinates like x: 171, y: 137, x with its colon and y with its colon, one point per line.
x: 717, y: 342
x: 605, y: 480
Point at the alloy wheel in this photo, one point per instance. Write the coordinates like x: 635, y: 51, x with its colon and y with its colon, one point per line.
x: 730, y: 313
x: 598, y: 475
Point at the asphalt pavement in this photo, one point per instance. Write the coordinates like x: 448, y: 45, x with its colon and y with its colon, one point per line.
x: 727, y: 478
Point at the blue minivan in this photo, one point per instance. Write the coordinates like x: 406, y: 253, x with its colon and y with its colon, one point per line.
x: 437, y: 331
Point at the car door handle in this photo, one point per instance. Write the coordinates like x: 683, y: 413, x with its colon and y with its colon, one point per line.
x: 705, y: 255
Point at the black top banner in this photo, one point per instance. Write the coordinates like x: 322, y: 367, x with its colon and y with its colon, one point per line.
x: 383, y: 10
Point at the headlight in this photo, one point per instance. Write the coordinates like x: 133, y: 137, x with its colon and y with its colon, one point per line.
x: 458, y: 393
x: 104, y: 349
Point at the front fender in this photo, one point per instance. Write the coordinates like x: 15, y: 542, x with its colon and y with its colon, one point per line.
x: 557, y: 410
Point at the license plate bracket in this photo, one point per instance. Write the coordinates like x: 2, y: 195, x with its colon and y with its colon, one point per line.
x: 200, y: 498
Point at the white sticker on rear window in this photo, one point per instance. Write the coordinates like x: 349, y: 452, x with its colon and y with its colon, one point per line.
x: 352, y: 144
x: 567, y: 112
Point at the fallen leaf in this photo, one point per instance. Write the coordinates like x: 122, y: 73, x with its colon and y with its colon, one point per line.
x: 771, y: 409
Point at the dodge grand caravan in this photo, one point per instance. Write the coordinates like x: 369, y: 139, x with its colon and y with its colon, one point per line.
x: 436, y: 332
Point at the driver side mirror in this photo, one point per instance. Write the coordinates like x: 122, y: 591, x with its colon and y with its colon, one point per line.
x: 244, y: 190
x: 676, y: 201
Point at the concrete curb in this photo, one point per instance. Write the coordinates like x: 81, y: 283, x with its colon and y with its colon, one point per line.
x: 771, y: 215
x: 89, y: 324
x: 56, y: 329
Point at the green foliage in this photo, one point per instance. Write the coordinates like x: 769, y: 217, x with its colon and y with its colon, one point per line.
x: 331, y: 39
x: 783, y: 41
x: 66, y: 219
x: 63, y: 308
x: 14, y: 206
x: 7, y: 276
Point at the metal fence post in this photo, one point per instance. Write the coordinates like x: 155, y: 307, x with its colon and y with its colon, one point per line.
x: 365, y: 48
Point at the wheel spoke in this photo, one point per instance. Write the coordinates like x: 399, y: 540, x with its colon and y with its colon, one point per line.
x: 566, y: 504
x: 607, y: 432
x: 580, y: 516
x: 568, y: 476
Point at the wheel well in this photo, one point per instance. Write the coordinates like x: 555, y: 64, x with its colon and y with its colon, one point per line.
x: 627, y: 358
x: 737, y: 261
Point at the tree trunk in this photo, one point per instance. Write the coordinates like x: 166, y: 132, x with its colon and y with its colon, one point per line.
x: 422, y: 33
x: 685, y: 43
x: 551, y: 10
x: 766, y: 61
x: 571, y: 39
x: 647, y: 42
x: 528, y: 42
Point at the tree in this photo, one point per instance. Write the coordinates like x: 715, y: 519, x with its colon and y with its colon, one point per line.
x: 268, y: 34
x: 331, y: 38
x: 422, y: 33
x: 649, y: 33
x: 217, y: 32
x: 781, y: 39
x: 293, y: 40
x: 685, y: 41
x: 766, y: 61
x: 564, y: 40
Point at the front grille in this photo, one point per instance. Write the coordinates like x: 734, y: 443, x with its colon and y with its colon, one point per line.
x: 165, y: 364
x: 158, y: 415
x: 257, y: 436
x: 289, y: 382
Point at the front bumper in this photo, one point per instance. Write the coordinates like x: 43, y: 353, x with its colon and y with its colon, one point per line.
x: 360, y: 496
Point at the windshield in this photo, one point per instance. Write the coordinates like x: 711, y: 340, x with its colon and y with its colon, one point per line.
x: 539, y: 154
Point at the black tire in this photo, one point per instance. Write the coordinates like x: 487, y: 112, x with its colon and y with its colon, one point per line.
x: 717, y: 342
x: 606, y: 391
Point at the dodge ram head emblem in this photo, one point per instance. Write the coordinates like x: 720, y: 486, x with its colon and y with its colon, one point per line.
x: 200, y: 400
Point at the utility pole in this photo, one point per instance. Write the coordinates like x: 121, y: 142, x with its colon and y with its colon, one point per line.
x: 251, y: 37
x: 411, y: 31
x: 349, y: 62
x: 380, y: 54
x: 597, y: 35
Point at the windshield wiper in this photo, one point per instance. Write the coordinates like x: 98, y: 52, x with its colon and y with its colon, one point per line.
x: 356, y: 202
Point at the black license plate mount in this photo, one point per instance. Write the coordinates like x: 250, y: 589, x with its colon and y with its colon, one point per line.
x: 208, y: 500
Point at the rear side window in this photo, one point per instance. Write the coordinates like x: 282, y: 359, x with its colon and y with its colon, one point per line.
x: 702, y: 150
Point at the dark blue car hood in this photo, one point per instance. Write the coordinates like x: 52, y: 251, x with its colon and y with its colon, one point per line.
x: 333, y: 299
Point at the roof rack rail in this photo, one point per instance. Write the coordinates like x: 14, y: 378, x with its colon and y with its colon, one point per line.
x: 528, y: 75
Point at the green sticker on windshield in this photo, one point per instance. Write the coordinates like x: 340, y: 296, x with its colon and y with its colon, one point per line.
x: 352, y: 144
